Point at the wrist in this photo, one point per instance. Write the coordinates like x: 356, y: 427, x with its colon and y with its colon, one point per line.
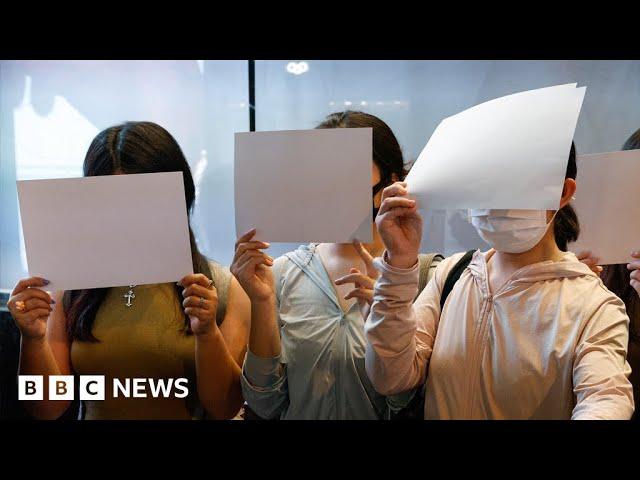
x: 262, y: 302
x: 403, y: 261
x: 33, y: 341
x: 212, y: 335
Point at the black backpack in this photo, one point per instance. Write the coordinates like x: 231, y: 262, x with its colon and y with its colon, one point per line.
x: 414, y: 410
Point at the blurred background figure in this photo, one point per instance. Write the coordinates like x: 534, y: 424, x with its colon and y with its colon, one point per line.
x: 624, y: 280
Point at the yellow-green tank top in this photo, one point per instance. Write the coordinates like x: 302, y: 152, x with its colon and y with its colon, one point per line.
x: 144, y: 340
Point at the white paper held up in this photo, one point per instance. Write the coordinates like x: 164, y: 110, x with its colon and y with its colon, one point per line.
x: 106, y: 231
x: 608, y: 205
x: 510, y: 152
x: 304, y: 185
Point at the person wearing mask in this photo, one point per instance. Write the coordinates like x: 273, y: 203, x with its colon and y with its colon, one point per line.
x: 525, y: 331
x: 306, y: 345
x: 195, y: 329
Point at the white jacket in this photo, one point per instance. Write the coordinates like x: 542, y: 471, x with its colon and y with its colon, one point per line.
x: 550, y: 344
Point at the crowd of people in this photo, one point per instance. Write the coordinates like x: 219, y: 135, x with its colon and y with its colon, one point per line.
x: 377, y: 331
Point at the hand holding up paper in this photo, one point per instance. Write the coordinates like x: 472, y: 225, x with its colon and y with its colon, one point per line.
x: 510, y: 152
x: 305, y: 185
x: 106, y: 231
x: 608, y: 205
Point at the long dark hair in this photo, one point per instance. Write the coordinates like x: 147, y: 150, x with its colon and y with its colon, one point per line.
x: 132, y: 147
x: 616, y: 277
x: 387, y: 154
x: 566, y: 227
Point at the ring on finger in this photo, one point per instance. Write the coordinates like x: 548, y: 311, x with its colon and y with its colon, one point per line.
x: 21, y: 306
x: 201, y: 302
x: 210, y: 284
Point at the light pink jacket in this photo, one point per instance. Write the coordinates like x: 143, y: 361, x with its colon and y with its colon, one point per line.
x: 550, y: 344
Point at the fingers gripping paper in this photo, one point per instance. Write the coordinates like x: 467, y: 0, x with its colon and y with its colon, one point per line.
x: 304, y: 185
x: 106, y: 231
x: 606, y: 203
x: 510, y: 152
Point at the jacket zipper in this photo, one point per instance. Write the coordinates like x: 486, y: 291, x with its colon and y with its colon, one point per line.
x: 476, y: 348
x: 482, y: 333
x: 479, y: 339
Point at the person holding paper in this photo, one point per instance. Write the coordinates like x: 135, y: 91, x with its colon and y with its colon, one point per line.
x: 306, y: 346
x: 526, y: 332
x: 195, y: 329
x: 624, y: 280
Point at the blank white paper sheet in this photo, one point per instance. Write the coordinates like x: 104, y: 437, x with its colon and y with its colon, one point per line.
x: 510, y: 152
x: 106, y: 231
x: 608, y: 205
x: 305, y: 185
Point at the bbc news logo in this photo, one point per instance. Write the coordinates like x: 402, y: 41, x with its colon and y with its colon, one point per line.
x: 92, y: 387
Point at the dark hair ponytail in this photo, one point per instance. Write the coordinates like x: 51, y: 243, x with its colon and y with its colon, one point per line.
x: 566, y: 227
x: 633, y: 142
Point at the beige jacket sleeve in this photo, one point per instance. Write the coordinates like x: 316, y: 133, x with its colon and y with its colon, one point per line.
x: 600, y: 370
x: 401, y: 333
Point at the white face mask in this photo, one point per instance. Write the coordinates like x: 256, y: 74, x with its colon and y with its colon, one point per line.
x: 510, y: 231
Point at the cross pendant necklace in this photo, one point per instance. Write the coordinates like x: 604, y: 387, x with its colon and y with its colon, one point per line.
x: 130, y: 295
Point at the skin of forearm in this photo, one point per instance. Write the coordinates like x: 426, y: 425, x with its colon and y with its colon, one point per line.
x: 218, y: 376
x: 36, y: 358
x: 264, y: 337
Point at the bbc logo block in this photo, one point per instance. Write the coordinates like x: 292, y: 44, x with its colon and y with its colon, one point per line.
x: 92, y: 387
x: 30, y: 387
x: 61, y: 387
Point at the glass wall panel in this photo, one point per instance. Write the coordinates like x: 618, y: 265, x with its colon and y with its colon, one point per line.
x: 414, y: 96
x: 51, y: 110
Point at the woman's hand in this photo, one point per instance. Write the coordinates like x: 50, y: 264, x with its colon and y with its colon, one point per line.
x: 200, y: 302
x: 590, y: 261
x: 400, y: 226
x: 252, y: 268
x: 30, y: 307
x: 634, y: 266
x: 363, y: 283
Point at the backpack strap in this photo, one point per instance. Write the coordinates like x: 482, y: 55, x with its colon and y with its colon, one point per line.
x: 413, y: 400
x: 410, y: 405
x: 454, y: 275
x: 425, y: 263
